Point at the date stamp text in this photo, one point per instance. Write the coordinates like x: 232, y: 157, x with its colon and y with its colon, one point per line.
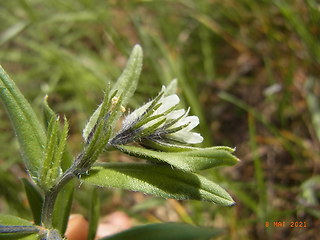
x: 291, y: 224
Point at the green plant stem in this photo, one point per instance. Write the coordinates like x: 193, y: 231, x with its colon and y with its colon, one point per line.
x: 51, y: 196
x: 78, y: 167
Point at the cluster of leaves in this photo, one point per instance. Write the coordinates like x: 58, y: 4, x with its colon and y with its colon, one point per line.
x: 169, y: 171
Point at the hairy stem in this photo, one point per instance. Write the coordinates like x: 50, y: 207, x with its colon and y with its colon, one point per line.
x: 79, y: 166
x: 51, y: 196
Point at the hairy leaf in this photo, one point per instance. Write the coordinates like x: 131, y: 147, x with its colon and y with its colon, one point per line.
x: 28, y: 129
x: 64, y: 200
x: 192, y: 159
x: 127, y: 82
x: 12, y: 227
x: 55, y: 147
x: 159, y: 180
x: 124, y: 88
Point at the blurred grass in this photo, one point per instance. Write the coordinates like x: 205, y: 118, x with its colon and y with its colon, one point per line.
x: 249, y: 70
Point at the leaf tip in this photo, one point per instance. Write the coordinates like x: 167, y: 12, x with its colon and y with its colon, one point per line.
x: 137, y: 47
x: 138, y: 52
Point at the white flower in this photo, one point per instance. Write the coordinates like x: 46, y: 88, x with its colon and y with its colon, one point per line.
x: 159, y: 121
x: 185, y: 134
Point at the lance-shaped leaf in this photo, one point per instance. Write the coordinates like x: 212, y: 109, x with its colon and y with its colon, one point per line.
x: 158, y: 180
x: 55, y: 147
x: 166, y: 231
x: 62, y: 207
x: 47, y: 112
x: 63, y: 203
x: 127, y: 82
x: 12, y: 227
x: 94, y: 213
x: 28, y: 129
x: 124, y: 87
x: 48, y: 115
x: 35, y: 200
x: 192, y: 159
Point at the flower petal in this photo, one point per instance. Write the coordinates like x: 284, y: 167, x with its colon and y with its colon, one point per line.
x: 167, y: 103
x: 176, y: 114
x: 193, y: 120
x: 186, y: 137
x: 194, y: 138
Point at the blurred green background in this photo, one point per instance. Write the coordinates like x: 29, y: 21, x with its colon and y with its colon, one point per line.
x: 249, y: 69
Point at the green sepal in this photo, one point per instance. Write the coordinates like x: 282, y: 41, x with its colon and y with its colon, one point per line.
x: 30, y: 132
x: 191, y: 160
x: 166, y: 231
x: 145, y: 119
x: 166, y: 146
x: 171, y: 88
x: 149, y: 130
x: 159, y: 180
x: 35, y: 200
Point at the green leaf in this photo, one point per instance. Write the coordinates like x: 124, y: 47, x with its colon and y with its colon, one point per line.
x: 127, y: 82
x: 124, y: 88
x: 63, y: 203
x: 12, y: 227
x: 192, y: 159
x: 35, y: 200
x: 13, y: 220
x: 167, y: 231
x: 159, y: 180
x: 49, y: 169
x: 62, y: 207
x: 91, y: 123
x: 94, y: 214
x: 27, y: 127
x: 51, y: 166
x: 47, y: 112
